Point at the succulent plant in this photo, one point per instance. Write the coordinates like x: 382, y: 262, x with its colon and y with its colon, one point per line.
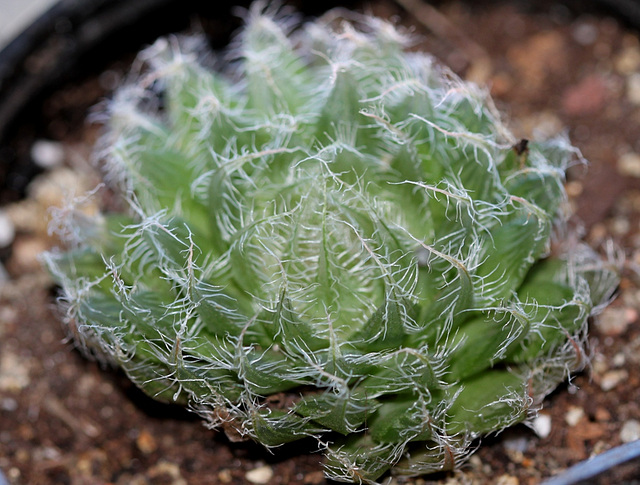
x: 331, y: 236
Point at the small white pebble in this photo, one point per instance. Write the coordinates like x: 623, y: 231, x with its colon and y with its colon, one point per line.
x: 599, y: 365
x: 543, y: 125
x: 47, y: 453
x: 260, y: 475
x: 166, y: 469
x: 8, y: 404
x: 620, y: 226
x: 225, y: 476
x: 7, y: 230
x: 13, y: 473
x: 475, y: 461
x: 574, y: 188
x: 507, y: 480
x: 612, y: 378
x: 518, y: 444
x: 633, y: 88
x: 619, y: 360
x: 585, y: 34
x: 574, y: 415
x: 628, y: 61
x: 598, y: 233
x: 629, y: 165
x: 47, y: 154
x: 630, y: 431
x: 14, y: 373
x: 542, y: 425
x: 26, y: 253
x: 616, y: 320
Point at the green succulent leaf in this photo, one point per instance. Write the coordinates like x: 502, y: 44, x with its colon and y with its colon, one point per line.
x: 342, y: 412
x: 488, y: 402
x: 402, y: 419
x: 274, y: 428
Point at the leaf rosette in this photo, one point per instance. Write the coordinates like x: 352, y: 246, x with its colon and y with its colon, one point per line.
x: 330, y: 236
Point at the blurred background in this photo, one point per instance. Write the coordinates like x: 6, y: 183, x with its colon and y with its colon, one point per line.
x: 17, y: 14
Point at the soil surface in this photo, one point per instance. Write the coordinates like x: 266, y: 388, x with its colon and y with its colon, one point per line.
x: 66, y: 420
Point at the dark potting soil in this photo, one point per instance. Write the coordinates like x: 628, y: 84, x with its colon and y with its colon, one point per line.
x: 66, y: 420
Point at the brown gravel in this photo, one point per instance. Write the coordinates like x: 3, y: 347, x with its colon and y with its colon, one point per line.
x: 65, y: 420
